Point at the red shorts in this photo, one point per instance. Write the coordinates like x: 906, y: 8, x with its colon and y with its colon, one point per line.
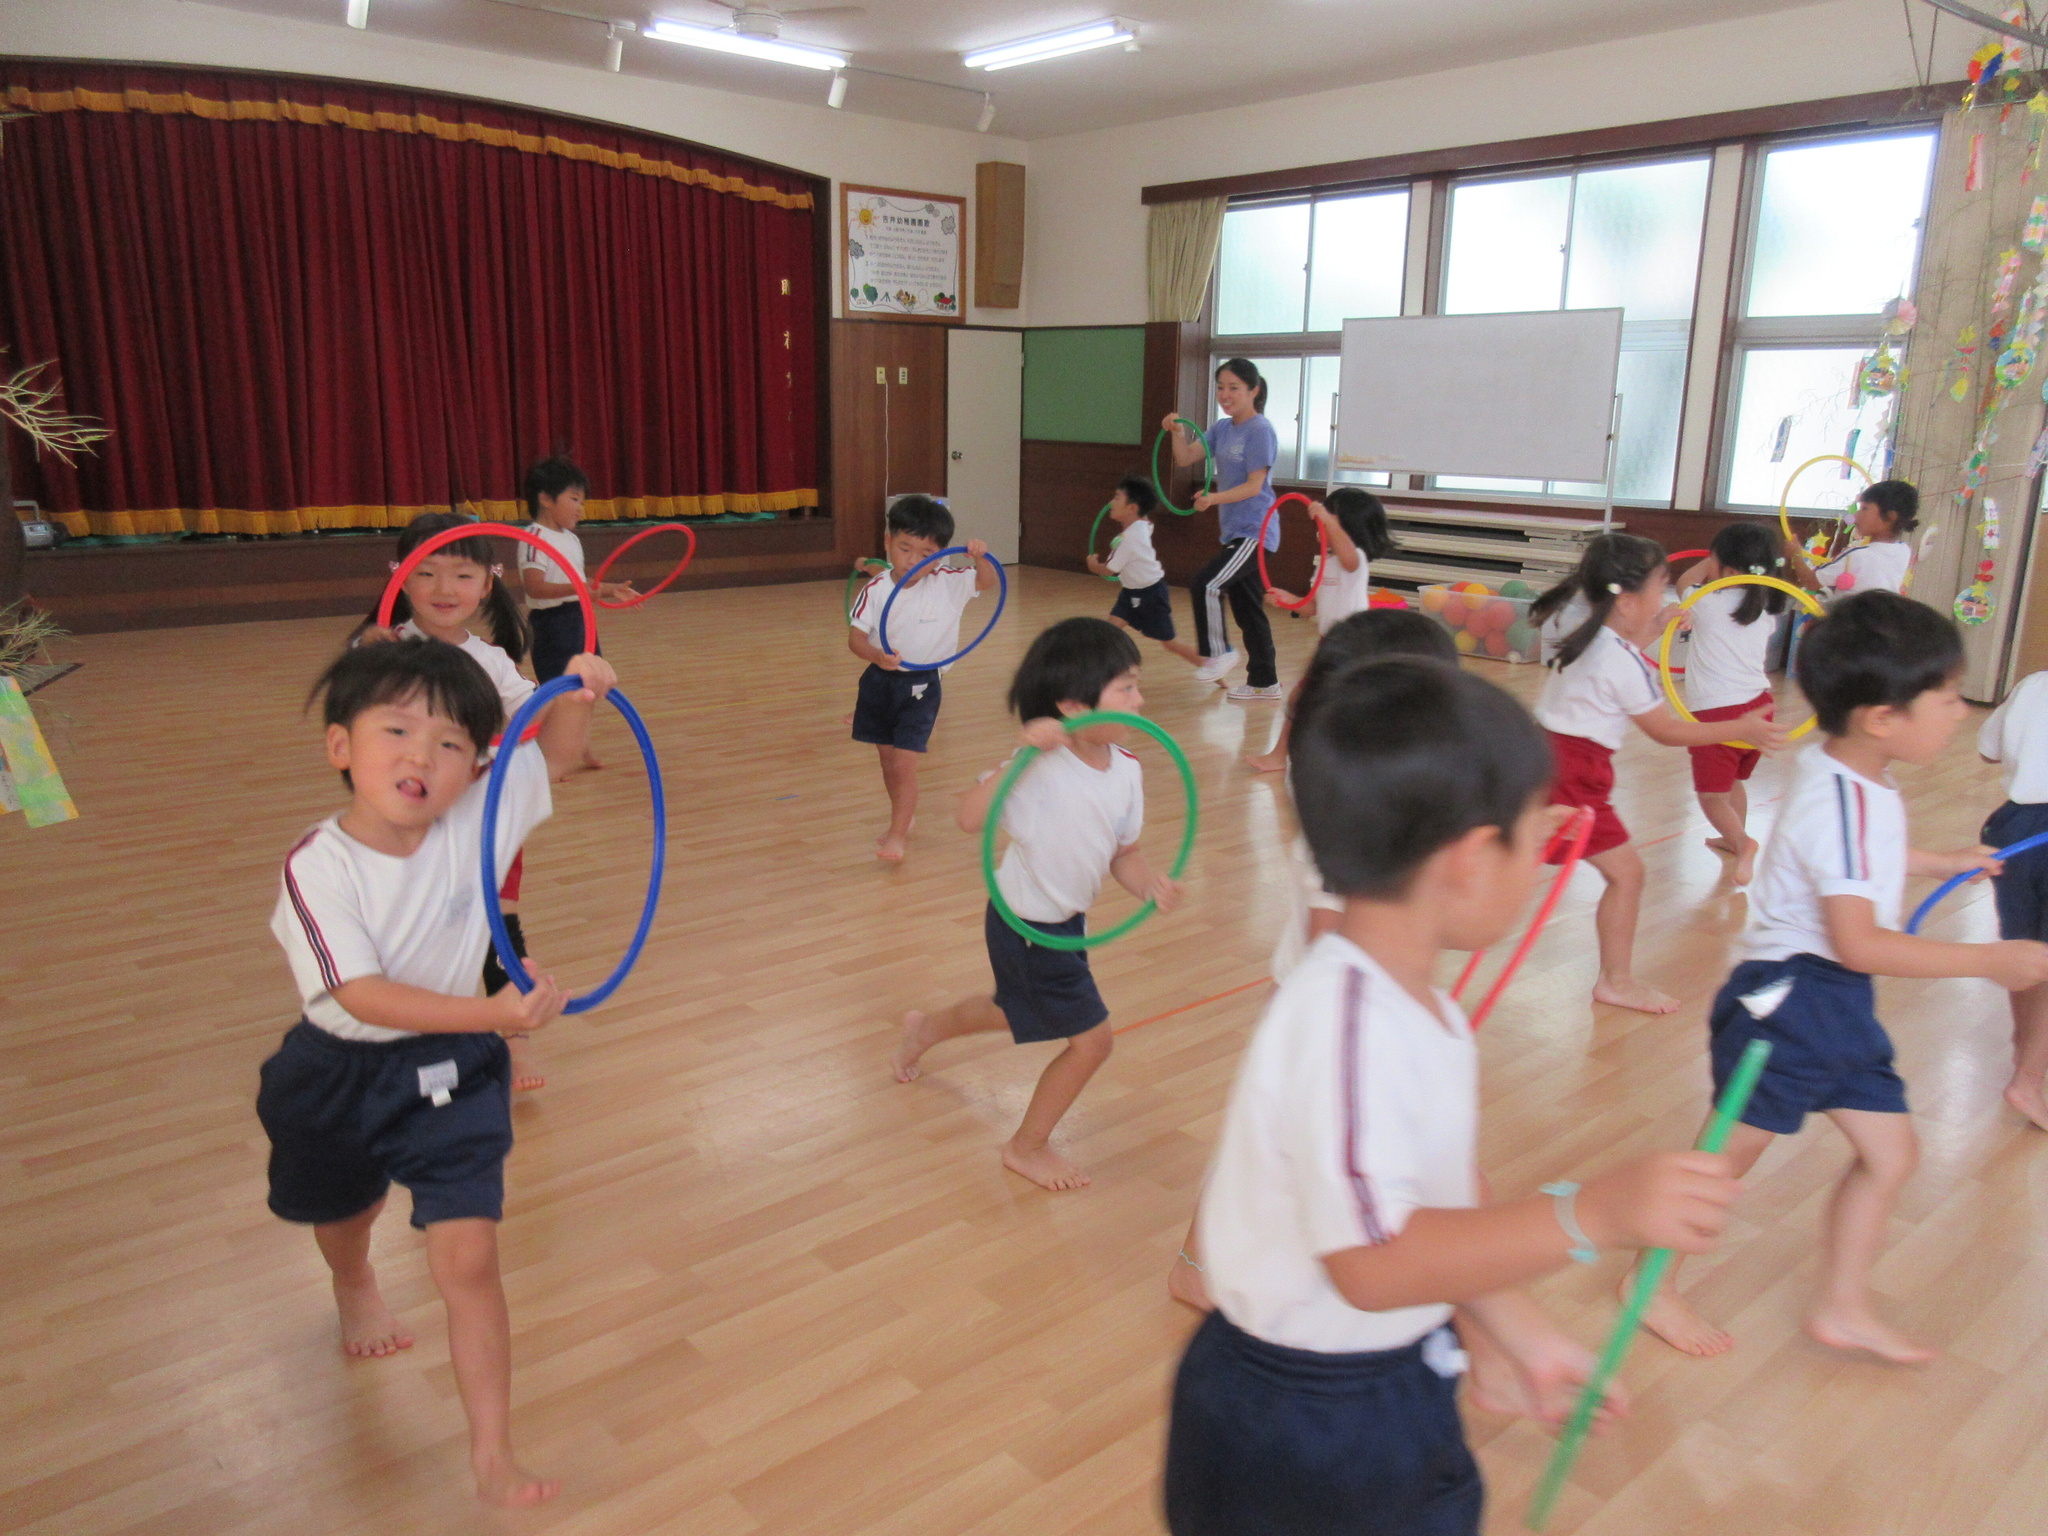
x: 509, y: 889
x: 1715, y: 769
x: 1585, y: 777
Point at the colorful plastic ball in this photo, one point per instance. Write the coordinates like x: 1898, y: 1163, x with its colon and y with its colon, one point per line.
x: 1521, y: 638
x: 1465, y: 641
x: 1516, y: 587
x: 1496, y: 645
x: 1433, y: 599
x: 1456, y: 611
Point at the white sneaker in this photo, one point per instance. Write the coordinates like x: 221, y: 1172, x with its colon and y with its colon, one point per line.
x: 1247, y: 691
x: 1213, y: 669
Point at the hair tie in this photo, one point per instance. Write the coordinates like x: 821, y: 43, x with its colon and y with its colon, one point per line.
x: 1614, y: 587
x: 1756, y: 570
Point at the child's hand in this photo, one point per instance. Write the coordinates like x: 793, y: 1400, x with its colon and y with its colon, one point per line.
x: 1673, y: 1200
x: 2016, y: 964
x: 976, y: 548
x: 616, y: 591
x: 1762, y: 732
x: 1045, y: 733
x: 527, y: 1011
x: 598, y: 677
x: 1204, y: 500
x: 1280, y: 597
x: 1163, y: 893
x: 1095, y: 564
x: 372, y: 635
x: 889, y: 661
x: 1977, y: 862
x: 1321, y: 514
x: 1543, y: 1378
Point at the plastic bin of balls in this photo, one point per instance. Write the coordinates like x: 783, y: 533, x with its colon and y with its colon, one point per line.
x: 1483, y: 620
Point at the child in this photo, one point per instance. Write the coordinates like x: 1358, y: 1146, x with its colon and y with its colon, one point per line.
x: 1342, y: 1220
x: 1885, y: 514
x: 1356, y: 525
x: 1725, y: 679
x: 1603, y: 681
x: 1881, y: 672
x: 1145, y: 603
x: 2017, y: 736
x: 554, y: 491
x: 1073, y: 818
x: 397, y: 1071
x: 899, y: 692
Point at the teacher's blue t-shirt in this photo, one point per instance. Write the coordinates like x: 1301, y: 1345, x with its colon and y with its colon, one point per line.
x: 1240, y: 451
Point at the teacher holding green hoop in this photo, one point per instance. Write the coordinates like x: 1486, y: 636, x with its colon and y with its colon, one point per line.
x: 1245, y: 448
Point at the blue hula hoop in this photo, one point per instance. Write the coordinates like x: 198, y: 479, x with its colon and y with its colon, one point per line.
x: 1920, y: 912
x: 501, y: 938
x: 1002, y: 597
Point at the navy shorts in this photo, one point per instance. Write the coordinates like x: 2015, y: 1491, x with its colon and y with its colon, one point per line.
x: 1148, y: 610
x: 1827, y: 1049
x: 557, y: 638
x: 1046, y: 994
x: 1271, y: 1441
x: 2022, y: 891
x: 348, y: 1118
x: 896, y: 709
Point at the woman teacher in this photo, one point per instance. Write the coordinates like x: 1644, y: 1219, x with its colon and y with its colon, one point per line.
x: 1245, y: 448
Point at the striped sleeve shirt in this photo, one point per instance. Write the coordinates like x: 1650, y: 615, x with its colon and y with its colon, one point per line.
x: 1837, y: 834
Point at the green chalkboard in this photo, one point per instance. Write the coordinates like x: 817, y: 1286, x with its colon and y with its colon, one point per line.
x: 1085, y: 386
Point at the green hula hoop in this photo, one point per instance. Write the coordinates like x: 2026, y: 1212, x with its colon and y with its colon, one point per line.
x: 1037, y: 935
x: 1095, y: 528
x: 1208, y: 466
x: 853, y: 580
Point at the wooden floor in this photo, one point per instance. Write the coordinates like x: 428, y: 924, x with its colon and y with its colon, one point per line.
x: 757, y: 1285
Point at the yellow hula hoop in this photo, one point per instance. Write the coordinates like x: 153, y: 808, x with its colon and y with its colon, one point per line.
x: 1664, y: 646
x: 1785, y: 501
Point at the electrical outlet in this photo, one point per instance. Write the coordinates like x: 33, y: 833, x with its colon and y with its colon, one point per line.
x: 881, y: 375
x: 902, y: 375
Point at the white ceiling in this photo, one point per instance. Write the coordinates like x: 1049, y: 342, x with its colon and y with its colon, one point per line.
x: 1195, y: 55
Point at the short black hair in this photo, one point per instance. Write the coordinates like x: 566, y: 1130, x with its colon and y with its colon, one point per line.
x: 1362, y: 516
x: 1898, y: 500
x: 1367, y: 634
x: 1401, y: 756
x: 922, y: 518
x: 1139, y: 493
x: 551, y: 477
x: 448, y: 679
x: 1073, y: 661
x: 1875, y: 648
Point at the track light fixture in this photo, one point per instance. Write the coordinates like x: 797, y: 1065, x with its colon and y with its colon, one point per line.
x: 988, y: 113
x: 359, y: 14
x: 614, y: 48
x: 836, y: 97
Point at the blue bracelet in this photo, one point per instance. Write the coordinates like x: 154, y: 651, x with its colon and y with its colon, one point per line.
x: 1564, y: 1194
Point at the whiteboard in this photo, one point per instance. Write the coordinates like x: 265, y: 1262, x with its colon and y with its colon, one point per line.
x: 1525, y: 395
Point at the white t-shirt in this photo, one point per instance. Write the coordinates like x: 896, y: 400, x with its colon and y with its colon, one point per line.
x: 1353, y: 1108
x: 1132, y: 562
x: 1867, y: 566
x: 1343, y: 592
x: 1596, y: 696
x: 565, y: 542
x: 1306, y: 893
x: 1725, y: 663
x: 2016, y: 735
x: 346, y: 911
x: 1838, y: 834
x: 924, y: 626
x: 1067, y: 822
x: 513, y: 686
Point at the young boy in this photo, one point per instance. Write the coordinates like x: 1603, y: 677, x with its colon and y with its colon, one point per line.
x: 899, y: 692
x: 1342, y: 1221
x: 2016, y: 735
x: 554, y: 490
x: 1881, y: 673
x: 1145, y: 603
x: 398, y: 1070
x: 1073, y: 818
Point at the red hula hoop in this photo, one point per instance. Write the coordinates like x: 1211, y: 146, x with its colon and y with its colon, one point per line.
x: 647, y: 533
x: 489, y: 531
x: 1580, y: 830
x: 1322, y: 549
x: 1687, y: 554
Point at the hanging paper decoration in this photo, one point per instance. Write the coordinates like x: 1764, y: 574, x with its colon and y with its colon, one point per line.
x: 1778, y: 442
x: 1985, y: 65
x: 2037, y: 456
x: 1957, y: 369
x: 1973, y: 604
x: 1877, y: 377
x: 1973, y: 178
x: 1849, y: 451
x: 37, y: 786
x: 2035, y: 234
x: 1900, y: 316
x: 2037, y: 118
x: 1989, y: 527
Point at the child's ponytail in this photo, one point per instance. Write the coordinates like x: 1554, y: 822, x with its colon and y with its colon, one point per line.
x: 507, y: 619
x: 1613, y: 563
x: 1749, y: 549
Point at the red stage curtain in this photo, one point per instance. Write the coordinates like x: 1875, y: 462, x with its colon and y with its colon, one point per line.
x: 302, y: 304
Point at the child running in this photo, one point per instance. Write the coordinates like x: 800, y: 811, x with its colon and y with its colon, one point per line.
x: 1145, y: 603
x: 1073, y: 818
x: 2016, y: 736
x: 1725, y: 679
x: 1342, y: 1222
x: 1355, y: 524
x: 898, y: 703
x: 1881, y: 672
x: 1885, y: 514
x: 1601, y: 682
x: 398, y: 1070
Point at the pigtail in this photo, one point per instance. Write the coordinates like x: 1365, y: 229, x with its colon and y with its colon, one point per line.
x: 508, y: 620
x: 1749, y: 547
x: 1613, y: 563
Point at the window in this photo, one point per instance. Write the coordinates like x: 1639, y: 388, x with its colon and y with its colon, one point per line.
x: 1311, y: 263
x: 1835, y: 238
x: 1607, y: 237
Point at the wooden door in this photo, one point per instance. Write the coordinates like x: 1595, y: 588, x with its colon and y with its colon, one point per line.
x: 888, y: 423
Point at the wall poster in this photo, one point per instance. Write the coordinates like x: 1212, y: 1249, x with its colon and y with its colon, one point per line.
x: 902, y: 254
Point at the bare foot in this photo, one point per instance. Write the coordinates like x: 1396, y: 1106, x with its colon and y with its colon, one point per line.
x: 526, y: 1073
x: 1268, y: 762
x: 1671, y: 1317
x: 1866, y: 1331
x: 890, y: 847
x: 1745, y: 863
x: 1633, y: 994
x: 1184, y: 1284
x: 1044, y: 1167
x: 915, y: 1042
x: 368, y: 1330
x: 2026, y: 1097
x: 500, y: 1481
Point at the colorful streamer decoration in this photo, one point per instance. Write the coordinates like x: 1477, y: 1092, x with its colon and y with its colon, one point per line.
x: 38, y: 788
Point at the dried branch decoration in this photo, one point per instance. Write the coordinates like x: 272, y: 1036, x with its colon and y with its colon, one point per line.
x: 28, y: 399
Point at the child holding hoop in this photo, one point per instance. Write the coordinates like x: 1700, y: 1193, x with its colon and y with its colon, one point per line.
x: 1885, y: 513
x: 898, y: 702
x: 1602, y: 682
x: 1725, y: 679
x: 2016, y: 737
x: 1073, y: 820
x: 1145, y: 601
x: 555, y: 490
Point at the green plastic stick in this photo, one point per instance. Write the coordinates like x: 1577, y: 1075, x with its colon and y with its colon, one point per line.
x: 1734, y: 1100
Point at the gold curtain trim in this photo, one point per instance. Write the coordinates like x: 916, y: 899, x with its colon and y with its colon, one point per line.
x: 184, y: 103
x: 130, y: 524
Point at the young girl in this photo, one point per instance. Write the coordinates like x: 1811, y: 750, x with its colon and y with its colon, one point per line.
x: 1885, y: 514
x: 1725, y: 678
x: 1602, y: 681
x: 1355, y: 524
x: 554, y: 491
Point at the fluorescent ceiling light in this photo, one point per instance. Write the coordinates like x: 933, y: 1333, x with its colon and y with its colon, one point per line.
x: 1053, y: 45
x: 749, y: 47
